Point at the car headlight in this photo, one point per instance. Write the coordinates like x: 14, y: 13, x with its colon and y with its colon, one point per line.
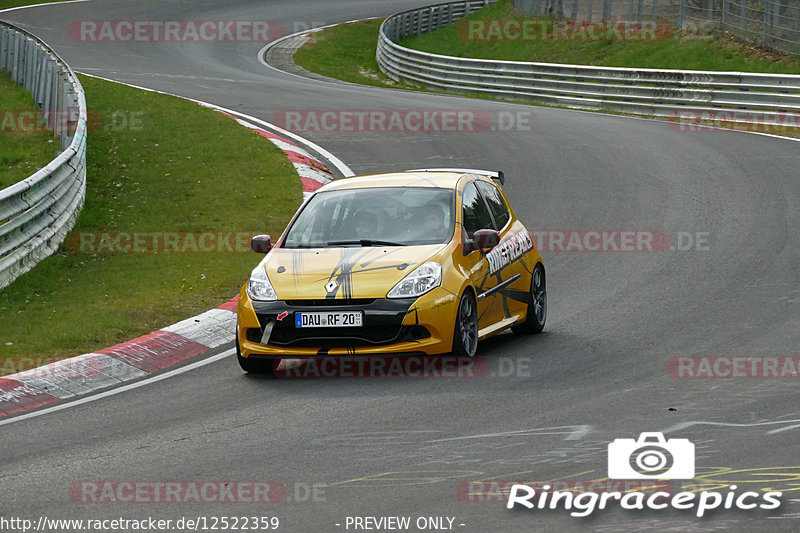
x: 419, y: 281
x: 259, y: 287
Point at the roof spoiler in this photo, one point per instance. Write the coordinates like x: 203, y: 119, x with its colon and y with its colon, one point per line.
x: 496, y: 175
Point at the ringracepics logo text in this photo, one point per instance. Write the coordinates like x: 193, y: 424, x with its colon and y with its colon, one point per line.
x: 648, y: 457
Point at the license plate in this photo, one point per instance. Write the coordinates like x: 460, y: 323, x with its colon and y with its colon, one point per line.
x: 329, y: 319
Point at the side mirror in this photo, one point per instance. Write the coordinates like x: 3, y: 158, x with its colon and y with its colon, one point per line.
x: 261, y: 244
x: 483, y: 240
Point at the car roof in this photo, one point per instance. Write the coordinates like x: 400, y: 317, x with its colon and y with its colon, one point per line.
x: 441, y: 179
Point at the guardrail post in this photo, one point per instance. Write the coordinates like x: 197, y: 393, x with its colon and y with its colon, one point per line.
x: 766, y: 20
x: 3, y: 47
x: 742, y: 12
x: 682, y: 15
x: 47, y: 95
x: 63, y: 122
x: 15, y: 58
x: 726, y: 6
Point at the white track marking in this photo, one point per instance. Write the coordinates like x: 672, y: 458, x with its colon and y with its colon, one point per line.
x: 684, y: 425
x: 112, y: 392
x: 574, y: 433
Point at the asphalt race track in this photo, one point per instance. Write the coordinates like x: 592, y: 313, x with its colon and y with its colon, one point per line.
x: 728, y: 284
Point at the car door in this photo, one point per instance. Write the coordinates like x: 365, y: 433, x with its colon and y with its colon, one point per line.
x: 512, y: 278
x: 476, y: 216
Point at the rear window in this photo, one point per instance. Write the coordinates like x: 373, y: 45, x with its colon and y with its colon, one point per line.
x: 496, y: 203
x: 476, y: 215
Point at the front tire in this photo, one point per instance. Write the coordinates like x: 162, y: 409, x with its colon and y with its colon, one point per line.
x: 465, y: 334
x: 537, y: 305
x: 256, y: 366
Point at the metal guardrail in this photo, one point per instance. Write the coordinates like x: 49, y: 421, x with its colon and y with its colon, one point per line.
x: 37, y: 212
x: 743, y: 97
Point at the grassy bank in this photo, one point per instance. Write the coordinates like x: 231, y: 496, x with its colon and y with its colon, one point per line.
x: 689, y: 50
x: 345, y: 52
x: 25, y: 144
x: 162, y: 166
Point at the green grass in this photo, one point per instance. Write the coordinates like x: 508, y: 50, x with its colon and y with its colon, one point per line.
x: 24, y: 144
x: 156, y: 164
x: 345, y: 52
x: 691, y: 50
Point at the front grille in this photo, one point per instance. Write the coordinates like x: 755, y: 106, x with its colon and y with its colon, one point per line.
x: 339, y: 337
x: 383, y: 323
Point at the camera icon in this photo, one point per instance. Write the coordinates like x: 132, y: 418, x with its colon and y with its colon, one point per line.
x: 651, y: 457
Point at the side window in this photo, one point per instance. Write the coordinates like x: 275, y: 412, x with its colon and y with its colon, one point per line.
x: 475, y: 214
x: 496, y: 203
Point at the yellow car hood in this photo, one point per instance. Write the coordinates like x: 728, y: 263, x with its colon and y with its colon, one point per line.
x: 358, y: 271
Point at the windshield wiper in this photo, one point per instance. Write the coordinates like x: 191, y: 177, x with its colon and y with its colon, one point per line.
x: 365, y: 242
x: 303, y: 245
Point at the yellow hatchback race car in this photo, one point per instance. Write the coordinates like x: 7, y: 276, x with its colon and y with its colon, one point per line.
x: 418, y: 262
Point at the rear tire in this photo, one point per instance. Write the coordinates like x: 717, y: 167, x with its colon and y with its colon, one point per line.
x: 465, y: 334
x: 256, y: 366
x: 537, y: 305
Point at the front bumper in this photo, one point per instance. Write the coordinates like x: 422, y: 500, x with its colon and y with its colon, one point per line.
x: 421, y: 325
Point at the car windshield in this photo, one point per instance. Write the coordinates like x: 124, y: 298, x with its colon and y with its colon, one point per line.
x: 379, y: 216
